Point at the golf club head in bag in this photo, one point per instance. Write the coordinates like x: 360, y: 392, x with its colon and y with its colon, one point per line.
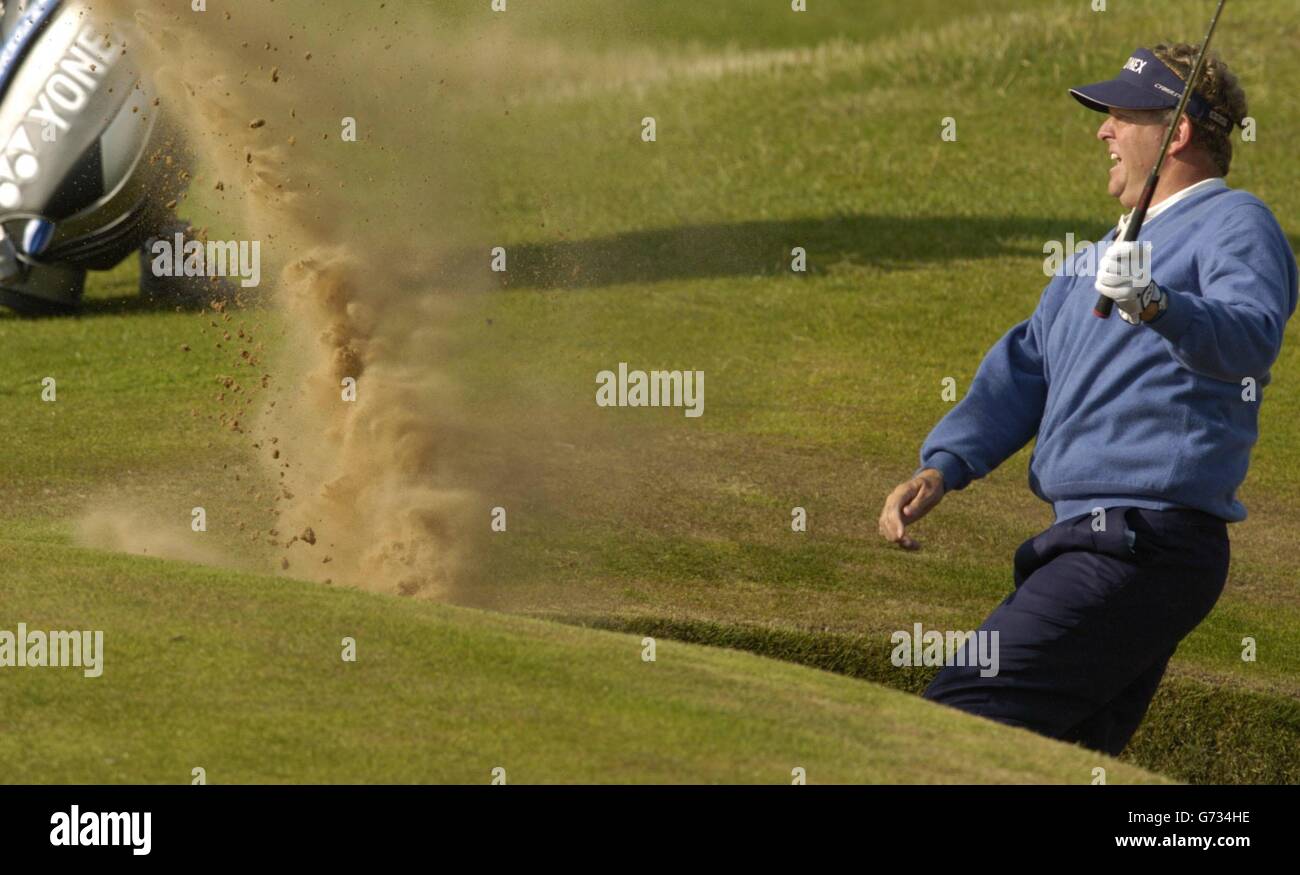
x: 87, y: 163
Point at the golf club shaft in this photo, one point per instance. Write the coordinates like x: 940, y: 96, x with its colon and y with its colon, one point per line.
x: 1104, y: 304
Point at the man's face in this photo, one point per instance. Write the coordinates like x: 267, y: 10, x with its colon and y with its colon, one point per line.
x: 1133, y: 139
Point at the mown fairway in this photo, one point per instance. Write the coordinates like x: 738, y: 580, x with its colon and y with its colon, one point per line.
x: 775, y: 130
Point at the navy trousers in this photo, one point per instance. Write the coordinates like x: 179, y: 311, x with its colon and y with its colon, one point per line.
x: 1084, y: 638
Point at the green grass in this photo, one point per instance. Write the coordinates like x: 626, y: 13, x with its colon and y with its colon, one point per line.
x: 820, y: 388
x: 243, y: 676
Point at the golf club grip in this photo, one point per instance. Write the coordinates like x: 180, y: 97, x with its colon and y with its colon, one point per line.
x: 1104, y: 305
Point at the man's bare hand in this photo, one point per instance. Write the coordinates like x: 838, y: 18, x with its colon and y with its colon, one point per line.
x: 908, y: 503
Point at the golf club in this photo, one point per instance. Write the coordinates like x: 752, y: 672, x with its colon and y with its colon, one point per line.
x: 1104, y: 304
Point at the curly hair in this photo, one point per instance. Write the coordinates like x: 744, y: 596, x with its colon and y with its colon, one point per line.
x: 1219, y: 86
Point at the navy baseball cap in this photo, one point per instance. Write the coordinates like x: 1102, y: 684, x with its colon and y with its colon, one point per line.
x: 1146, y: 82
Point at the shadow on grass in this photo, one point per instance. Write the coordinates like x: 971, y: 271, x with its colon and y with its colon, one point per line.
x: 113, y: 306
x: 134, y: 304
x: 119, y: 305
x: 763, y: 248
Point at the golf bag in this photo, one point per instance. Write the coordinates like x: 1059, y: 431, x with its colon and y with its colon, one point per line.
x: 88, y: 166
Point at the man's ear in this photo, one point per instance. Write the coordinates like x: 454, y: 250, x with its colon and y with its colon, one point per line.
x: 1183, y: 136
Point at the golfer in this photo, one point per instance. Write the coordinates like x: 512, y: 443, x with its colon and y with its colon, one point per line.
x: 1144, y: 424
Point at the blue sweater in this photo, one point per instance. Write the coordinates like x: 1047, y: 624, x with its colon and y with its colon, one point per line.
x: 1150, y: 415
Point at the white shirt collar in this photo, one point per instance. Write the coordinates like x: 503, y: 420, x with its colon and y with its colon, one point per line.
x: 1214, y: 182
x: 1204, y: 184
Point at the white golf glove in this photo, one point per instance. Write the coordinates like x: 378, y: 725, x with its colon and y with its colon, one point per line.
x: 1124, y: 276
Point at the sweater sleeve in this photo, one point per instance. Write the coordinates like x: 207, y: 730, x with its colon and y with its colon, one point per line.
x: 1247, y: 277
x: 1000, y: 412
